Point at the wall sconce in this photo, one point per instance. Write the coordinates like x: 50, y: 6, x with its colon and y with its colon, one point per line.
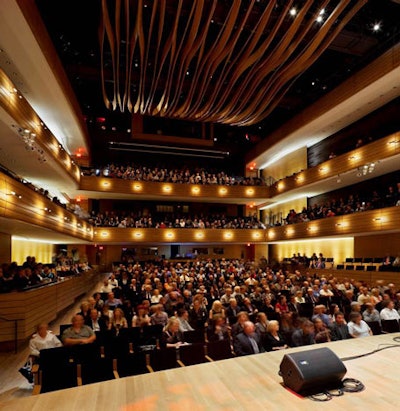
x: 104, y: 234
x: 169, y: 235
x: 256, y: 236
x: 137, y: 187
x: 199, y: 236
x: 249, y: 191
x: 271, y: 234
x: 195, y: 190
x: 138, y: 235
x: 13, y: 193
x: 105, y: 183
x: 167, y: 189
x: 222, y: 191
x: 228, y: 235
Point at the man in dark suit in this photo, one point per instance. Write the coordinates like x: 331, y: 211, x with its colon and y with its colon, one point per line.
x: 94, y: 322
x: 248, y: 342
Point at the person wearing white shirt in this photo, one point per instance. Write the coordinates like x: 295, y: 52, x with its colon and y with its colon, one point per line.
x: 43, y: 339
x: 388, y: 311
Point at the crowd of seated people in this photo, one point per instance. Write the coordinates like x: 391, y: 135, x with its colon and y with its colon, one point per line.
x: 165, y: 220
x: 14, y: 277
x: 353, y: 204
x: 164, y: 175
x: 253, y: 308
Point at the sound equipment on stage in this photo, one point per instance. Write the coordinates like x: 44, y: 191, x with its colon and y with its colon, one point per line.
x: 313, y: 371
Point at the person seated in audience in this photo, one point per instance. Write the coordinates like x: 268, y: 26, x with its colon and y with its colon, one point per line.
x: 281, y: 306
x: 78, y: 333
x: 85, y: 310
x: 95, y: 322
x: 370, y: 313
x: 304, y: 335
x: 321, y: 332
x: 299, y: 298
x: 106, y: 287
x: 156, y: 297
x: 247, y: 342
x: 113, y: 281
x: 43, y: 339
x: 183, y: 317
x: 273, y: 339
x: 364, y: 296
x: 216, y: 309
x: 198, y: 315
x: 249, y: 307
x: 172, y: 337
x: 357, y: 326
x: 339, y: 329
x: 261, y: 324
x: 98, y: 301
x: 141, y: 318
x: 113, y: 302
x: 233, y: 309
x: 159, y: 316
x: 388, y: 312
x: 333, y: 309
x: 320, y: 312
x: 118, y: 321
x: 217, y: 329
x: 268, y: 308
x: 238, y: 326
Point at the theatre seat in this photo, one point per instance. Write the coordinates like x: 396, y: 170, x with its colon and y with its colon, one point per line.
x: 191, y: 354
x: 57, y: 370
x: 218, y: 350
x: 390, y: 326
x: 375, y: 326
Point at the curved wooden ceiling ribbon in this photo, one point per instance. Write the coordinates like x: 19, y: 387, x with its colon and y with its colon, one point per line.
x: 209, y: 60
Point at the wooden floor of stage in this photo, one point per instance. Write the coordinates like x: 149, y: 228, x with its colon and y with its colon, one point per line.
x: 245, y: 383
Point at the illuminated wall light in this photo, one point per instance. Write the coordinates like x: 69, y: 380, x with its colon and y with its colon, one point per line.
x: 299, y: 178
x: 104, y: 234
x: 289, y: 231
x: 250, y: 191
x: 199, y: 236
x: 137, y: 187
x: 228, y: 235
x: 169, y: 235
x: 167, y: 189
x: 195, y: 190
x: 271, y: 234
x: 105, y: 183
x: 138, y: 235
x: 281, y: 186
x: 222, y: 191
x: 256, y: 236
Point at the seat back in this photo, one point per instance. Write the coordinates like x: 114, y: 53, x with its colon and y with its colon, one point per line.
x: 219, y: 350
x: 390, y: 326
x: 133, y: 364
x: 163, y: 359
x: 58, y: 369
x: 375, y: 326
x: 192, y: 354
x: 195, y: 336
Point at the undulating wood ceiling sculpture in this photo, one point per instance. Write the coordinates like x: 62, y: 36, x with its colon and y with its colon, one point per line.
x: 223, y: 61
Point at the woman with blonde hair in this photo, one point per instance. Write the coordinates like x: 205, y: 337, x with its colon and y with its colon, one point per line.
x: 118, y: 320
x: 274, y: 340
x: 216, y: 309
x: 172, y: 337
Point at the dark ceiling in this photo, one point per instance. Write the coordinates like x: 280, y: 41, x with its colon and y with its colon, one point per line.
x: 73, y: 28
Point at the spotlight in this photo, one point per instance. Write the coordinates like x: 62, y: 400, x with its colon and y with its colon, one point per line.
x: 293, y: 12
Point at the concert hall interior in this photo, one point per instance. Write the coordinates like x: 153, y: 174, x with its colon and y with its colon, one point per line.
x: 181, y: 154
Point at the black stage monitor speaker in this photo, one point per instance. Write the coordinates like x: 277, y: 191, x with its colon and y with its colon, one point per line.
x: 310, y: 372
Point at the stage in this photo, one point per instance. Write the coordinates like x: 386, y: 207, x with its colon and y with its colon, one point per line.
x: 245, y: 383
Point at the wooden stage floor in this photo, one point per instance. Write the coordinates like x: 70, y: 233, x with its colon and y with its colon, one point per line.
x: 246, y: 383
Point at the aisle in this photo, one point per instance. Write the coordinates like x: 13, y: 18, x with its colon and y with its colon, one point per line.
x: 12, y: 383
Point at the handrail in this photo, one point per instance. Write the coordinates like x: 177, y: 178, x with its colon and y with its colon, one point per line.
x: 15, y: 330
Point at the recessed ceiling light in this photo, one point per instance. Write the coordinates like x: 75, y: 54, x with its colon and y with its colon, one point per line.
x: 293, y: 11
